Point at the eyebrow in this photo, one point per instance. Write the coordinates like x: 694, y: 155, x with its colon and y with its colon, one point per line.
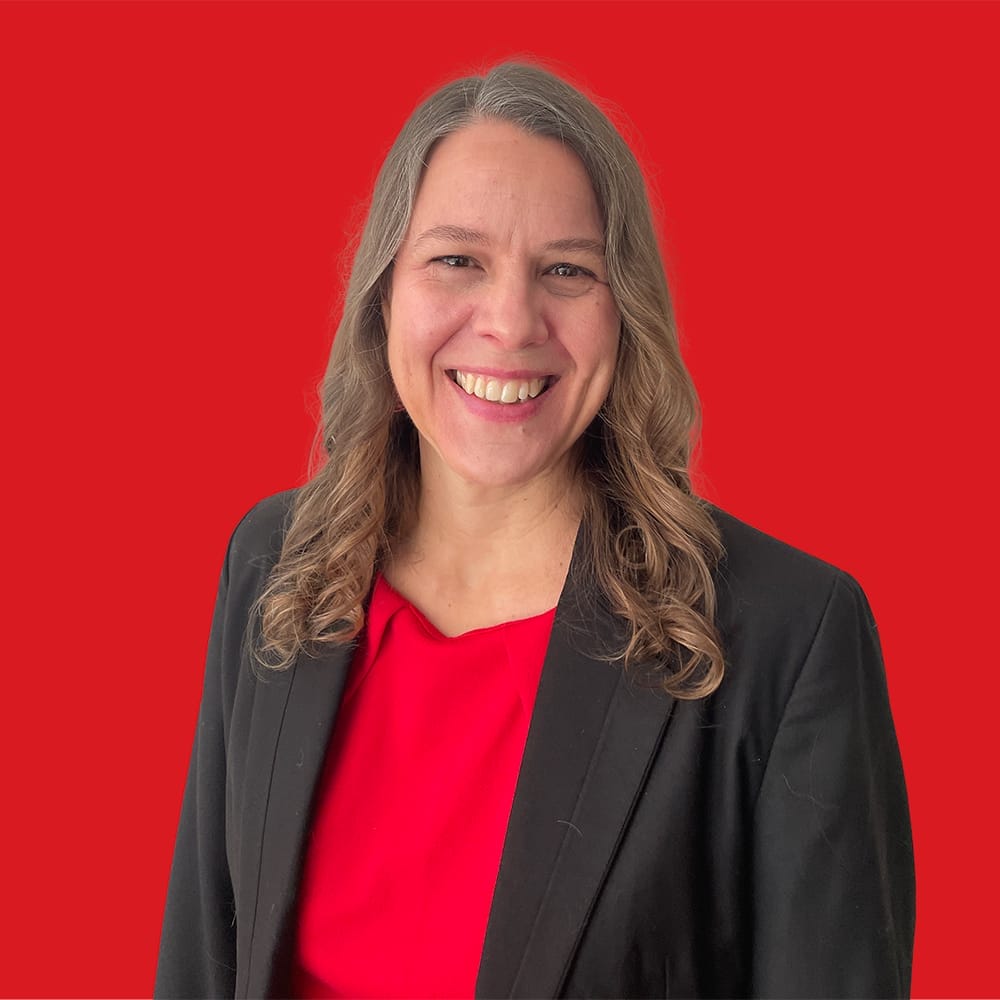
x: 456, y: 233
x: 460, y: 234
x: 577, y: 245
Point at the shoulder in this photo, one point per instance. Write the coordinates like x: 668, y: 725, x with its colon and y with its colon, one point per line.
x: 255, y: 546
x: 761, y: 572
x: 261, y: 530
x: 254, y: 549
x: 779, y: 606
x: 758, y: 559
x: 256, y: 541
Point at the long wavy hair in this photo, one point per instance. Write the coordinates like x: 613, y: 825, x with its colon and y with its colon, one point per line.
x: 651, y: 545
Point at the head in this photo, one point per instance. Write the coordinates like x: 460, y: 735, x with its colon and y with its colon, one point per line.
x: 650, y: 400
x: 651, y: 545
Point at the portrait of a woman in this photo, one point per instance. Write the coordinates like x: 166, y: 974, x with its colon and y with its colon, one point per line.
x: 495, y: 704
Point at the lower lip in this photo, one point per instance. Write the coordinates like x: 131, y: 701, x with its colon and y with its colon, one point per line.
x: 501, y: 413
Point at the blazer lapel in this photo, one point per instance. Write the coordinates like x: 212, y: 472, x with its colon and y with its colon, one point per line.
x: 298, y: 713
x: 592, y: 737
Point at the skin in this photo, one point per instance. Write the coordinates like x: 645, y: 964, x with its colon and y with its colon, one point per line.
x: 501, y: 274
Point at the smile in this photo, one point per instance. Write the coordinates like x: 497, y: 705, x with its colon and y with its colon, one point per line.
x: 496, y: 390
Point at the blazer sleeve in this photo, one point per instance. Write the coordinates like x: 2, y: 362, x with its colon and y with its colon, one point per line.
x: 833, y: 879
x: 198, y: 941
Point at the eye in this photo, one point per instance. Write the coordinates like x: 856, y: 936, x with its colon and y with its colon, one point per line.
x: 570, y: 271
x: 454, y: 260
x: 568, y: 280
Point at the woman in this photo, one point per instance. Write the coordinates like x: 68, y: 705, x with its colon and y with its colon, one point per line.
x: 494, y: 704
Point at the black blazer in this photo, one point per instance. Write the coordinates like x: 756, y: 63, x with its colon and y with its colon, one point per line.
x: 754, y: 843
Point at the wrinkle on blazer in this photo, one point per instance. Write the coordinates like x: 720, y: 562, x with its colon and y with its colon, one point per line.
x: 753, y: 843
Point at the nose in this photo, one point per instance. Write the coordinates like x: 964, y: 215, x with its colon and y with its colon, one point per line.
x: 510, y: 312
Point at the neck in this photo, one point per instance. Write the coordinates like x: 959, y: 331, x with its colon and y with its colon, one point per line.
x: 479, y: 555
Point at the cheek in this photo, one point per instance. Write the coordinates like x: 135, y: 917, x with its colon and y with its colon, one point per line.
x: 422, y: 321
x: 605, y: 335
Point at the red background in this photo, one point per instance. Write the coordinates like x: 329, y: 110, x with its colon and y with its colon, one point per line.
x: 180, y: 183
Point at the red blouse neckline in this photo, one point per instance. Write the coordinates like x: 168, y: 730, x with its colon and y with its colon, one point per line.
x: 413, y: 804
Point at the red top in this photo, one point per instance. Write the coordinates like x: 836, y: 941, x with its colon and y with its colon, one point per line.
x: 412, y: 808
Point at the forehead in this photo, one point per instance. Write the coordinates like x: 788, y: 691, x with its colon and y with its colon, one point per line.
x: 495, y: 178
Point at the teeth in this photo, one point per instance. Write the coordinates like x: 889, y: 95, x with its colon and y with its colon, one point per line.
x: 496, y: 391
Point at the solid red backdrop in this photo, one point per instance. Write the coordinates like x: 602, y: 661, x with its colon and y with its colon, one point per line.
x: 181, y: 182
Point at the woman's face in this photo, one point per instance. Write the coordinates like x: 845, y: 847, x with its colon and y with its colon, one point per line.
x: 502, y: 331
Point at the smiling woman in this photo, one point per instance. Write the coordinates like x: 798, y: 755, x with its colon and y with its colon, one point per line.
x: 495, y: 704
x: 502, y: 302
